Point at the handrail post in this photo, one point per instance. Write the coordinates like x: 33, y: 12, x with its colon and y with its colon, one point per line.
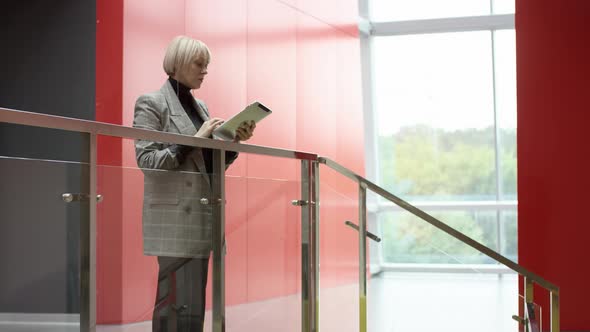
x: 528, y: 290
x: 305, y: 271
x: 218, y: 243
x: 315, y: 238
x: 88, y: 247
x: 529, y: 287
x: 554, y: 311
x: 310, y: 246
x: 362, y: 257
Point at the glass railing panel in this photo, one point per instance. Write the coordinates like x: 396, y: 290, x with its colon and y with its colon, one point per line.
x: 431, y: 281
x: 39, y: 230
x: 408, y: 240
x: 263, y: 230
x: 534, y: 315
x: 43, y: 143
x: 263, y: 240
x: 339, y: 253
x: 152, y: 220
x: 127, y: 279
x: 508, y: 234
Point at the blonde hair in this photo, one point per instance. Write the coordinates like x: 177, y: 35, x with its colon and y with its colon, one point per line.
x: 181, y: 51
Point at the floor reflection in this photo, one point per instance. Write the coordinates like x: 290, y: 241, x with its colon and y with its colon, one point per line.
x: 397, y: 302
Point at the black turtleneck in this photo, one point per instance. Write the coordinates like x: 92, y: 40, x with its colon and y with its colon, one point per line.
x: 187, y: 101
x: 185, y: 97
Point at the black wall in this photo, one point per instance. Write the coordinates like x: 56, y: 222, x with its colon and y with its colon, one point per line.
x: 47, y: 65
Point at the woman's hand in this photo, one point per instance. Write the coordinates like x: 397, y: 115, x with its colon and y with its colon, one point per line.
x: 208, y: 127
x: 245, y: 131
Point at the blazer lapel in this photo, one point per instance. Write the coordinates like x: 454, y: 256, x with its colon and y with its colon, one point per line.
x: 184, y: 124
x: 177, y: 113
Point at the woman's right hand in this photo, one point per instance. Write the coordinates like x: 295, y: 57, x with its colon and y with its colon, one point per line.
x: 208, y: 127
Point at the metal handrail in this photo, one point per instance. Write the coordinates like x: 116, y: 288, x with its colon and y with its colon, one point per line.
x: 100, y: 128
x: 439, y: 224
x: 450, y: 205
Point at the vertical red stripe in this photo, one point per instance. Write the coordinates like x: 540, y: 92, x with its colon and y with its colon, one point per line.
x: 109, y: 80
x: 553, y: 161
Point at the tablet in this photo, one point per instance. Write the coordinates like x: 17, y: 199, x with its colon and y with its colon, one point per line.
x: 255, y: 111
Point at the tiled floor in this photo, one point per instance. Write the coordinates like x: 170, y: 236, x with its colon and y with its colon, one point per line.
x: 397, y: 302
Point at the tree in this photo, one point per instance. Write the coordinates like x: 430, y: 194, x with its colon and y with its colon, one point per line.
x: 424, y: 163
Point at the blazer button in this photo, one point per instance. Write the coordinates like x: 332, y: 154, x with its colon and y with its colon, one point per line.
x: 187, y: 209
x: 189, y: 184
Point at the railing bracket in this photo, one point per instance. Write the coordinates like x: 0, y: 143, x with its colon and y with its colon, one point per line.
x: 519, y: 319
x: 299, y: 202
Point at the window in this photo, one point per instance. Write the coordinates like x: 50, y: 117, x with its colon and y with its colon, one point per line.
x: 444, y: 104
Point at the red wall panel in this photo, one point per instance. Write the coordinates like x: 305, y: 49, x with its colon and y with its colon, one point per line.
x: 349, y: 124
x: 329, y: 105
x: 271, y: 74
x: 316, y: 88
x: 553, y: 163
x: 222, y: 26
x: 298, y: 58
x: 342, y: 15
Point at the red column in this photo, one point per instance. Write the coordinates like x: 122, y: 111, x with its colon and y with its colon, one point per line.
x: 553, y: 87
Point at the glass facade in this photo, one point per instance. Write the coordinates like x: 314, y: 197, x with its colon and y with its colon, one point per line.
x: 445, y: 130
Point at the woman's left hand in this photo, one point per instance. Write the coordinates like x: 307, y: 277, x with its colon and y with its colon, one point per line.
x: 245, y: 131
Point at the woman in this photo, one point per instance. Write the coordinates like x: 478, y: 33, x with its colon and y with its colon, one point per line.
x: 176, y: 226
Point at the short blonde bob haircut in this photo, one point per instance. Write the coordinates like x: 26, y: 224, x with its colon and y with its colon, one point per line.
x: 181, y: 51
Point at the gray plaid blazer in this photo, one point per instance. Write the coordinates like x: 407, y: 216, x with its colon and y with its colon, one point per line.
x: 175, y: 224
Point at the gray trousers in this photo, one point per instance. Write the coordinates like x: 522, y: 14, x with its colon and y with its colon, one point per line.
x: 187, y: 313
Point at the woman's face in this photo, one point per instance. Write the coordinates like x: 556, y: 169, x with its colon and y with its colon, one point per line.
x: 193, y: 74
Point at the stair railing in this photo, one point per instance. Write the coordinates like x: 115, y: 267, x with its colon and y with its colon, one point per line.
x: 309, y: 202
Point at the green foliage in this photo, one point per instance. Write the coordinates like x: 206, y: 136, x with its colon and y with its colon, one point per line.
x: 424, y: 163
x: 408, y: 239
